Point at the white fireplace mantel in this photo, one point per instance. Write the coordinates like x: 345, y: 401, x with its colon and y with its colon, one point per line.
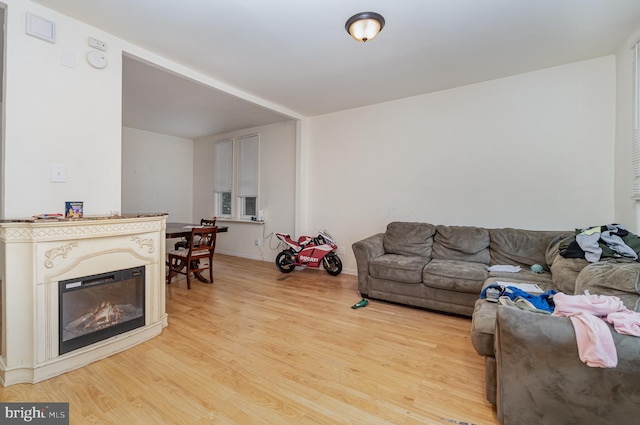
x: 36, y: 254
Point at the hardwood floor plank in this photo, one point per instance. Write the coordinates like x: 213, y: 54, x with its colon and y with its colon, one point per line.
x: 261, y: 347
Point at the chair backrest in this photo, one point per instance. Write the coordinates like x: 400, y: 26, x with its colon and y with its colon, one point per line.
x: 203, y: 241
x: 208, y: 222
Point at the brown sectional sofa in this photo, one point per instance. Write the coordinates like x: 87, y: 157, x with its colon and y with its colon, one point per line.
x: 443, y: 267
x: 533, y: 372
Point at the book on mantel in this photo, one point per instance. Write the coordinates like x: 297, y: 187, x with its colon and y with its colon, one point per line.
x: 73, y: 209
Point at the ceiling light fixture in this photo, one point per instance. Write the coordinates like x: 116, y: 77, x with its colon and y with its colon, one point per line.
x: 364, y: 26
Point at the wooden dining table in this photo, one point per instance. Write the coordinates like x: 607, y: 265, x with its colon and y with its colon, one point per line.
x: 183, y: 230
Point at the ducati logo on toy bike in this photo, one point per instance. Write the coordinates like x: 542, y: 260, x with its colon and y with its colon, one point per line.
x: 309, y: 259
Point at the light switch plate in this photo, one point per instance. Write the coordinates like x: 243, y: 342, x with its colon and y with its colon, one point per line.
x: 58, y: 173
x: 68, y: 59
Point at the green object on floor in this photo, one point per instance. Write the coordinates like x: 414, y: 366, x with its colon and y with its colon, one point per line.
x: 362, y: 303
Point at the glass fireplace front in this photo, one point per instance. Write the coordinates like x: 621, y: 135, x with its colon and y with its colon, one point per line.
x: 97, y: 307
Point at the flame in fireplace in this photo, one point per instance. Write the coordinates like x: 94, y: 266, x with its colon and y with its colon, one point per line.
x: 104, y: 315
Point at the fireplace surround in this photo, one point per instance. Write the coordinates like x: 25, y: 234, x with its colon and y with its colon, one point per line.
x: 36, y: 256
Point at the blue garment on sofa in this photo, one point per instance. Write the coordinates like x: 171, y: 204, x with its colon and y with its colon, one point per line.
x: 541, y: 302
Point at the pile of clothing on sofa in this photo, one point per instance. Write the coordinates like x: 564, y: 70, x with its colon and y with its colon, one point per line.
x: 596, y: 242
x: 513, y: 295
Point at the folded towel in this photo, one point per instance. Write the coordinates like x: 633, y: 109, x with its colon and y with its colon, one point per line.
x: 504, y: 268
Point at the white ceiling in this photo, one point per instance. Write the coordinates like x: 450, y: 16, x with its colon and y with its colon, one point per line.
x: 297, y: 53
x: 156, y: 100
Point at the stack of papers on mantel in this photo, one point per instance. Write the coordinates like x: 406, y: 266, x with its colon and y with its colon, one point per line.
x: 504, y: 268
x: 527, y: 287
x: 41, y: 216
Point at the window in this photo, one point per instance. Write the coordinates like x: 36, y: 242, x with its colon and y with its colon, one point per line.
x: 249, y: 208
x: 248, y: 172
x: 225, y: 203
x: 636, y: 122
x: 223, y: 177
x: 237, y: 179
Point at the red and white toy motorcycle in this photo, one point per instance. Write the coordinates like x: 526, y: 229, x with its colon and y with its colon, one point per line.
x: 309, y: 252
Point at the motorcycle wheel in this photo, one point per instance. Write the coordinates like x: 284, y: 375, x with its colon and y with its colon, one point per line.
x: 284, y: 262
x: 332, y: 264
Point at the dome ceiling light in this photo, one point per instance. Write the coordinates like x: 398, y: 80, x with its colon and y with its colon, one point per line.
x: 364, y: 26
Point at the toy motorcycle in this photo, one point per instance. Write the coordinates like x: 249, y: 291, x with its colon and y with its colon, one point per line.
x: 310, y: 252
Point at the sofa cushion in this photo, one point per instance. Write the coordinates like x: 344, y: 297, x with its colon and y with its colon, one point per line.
x: 483, y: 326
x: 404, y: 238
x: 461, y: 243
x: 564, y: 271
x: 399, y: 268
x: 520, y: 247
x: 620, y: 278
x: 453, y: 275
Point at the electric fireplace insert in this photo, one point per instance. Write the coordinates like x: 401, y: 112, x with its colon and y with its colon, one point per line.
x: 97, y: 307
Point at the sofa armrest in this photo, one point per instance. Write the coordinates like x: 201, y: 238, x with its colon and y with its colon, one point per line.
x: 365, y: 251
x: 541, y: 380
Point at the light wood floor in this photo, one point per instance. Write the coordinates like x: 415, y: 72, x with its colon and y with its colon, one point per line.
x: 261, y: 347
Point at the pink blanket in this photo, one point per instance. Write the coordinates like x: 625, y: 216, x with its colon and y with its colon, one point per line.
x: 593, y: 337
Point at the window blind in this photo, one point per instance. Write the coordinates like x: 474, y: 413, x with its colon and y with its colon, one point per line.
x: 223, y: 166
x: 248, y: 166
x: 636, y: 121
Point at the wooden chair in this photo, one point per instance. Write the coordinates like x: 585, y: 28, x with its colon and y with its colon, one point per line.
x: 192, y: 260
x: 203, y: 222
x: 208, y: 223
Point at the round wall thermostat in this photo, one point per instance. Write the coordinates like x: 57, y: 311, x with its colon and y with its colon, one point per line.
x: 96, y: 59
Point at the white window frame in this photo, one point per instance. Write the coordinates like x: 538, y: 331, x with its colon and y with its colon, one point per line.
x: 223, y: 175
x: 242, y: 169
x: 248, y: 173
x: 243, y: 207
x: 219, y: 200
x: 636, y: 121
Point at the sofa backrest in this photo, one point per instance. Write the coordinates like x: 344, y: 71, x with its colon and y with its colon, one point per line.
x: 405, y: 238
x: 520, y: 247
x: 468, y: 243
x: 462, y: 243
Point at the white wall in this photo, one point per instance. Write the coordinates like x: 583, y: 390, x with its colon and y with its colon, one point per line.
x: 57, y: 114
x: 531, y: 151
x: 157, y: 174
x: 72, y: 116
x: 626, y: 209
x: 534, y: 150
x: 277, y: 190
